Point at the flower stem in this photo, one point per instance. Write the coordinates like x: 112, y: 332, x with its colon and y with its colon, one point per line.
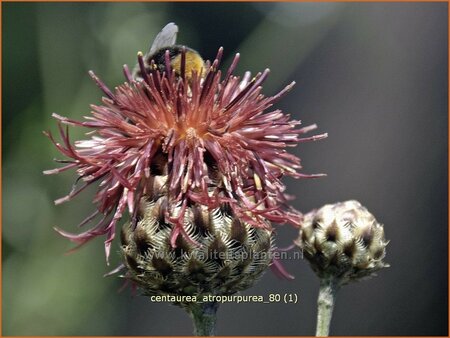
x: 325, y: 304
x: 204, y: 316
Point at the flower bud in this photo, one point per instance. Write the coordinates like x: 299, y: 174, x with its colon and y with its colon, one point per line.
x: 342, y: 240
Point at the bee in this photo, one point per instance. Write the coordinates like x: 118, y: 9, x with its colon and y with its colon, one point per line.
x: 165, y: 41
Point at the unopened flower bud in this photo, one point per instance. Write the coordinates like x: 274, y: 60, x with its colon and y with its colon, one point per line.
x: 343, y: 240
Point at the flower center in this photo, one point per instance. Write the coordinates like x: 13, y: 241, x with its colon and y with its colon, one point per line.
x: 191, y: 133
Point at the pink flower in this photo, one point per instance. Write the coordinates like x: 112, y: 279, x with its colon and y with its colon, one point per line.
x: 182, y: 127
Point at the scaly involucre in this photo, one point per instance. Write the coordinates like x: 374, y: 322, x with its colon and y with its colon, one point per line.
x: 212, y: 137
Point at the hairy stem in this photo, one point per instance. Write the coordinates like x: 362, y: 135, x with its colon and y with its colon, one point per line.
x: 325, y: 304
x: 204, y: 316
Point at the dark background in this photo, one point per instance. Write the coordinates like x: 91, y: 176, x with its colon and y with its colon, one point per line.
x: 374, y: 76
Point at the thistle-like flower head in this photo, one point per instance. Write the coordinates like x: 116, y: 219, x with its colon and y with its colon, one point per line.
x: 343, y: 240
x: 205, y: 140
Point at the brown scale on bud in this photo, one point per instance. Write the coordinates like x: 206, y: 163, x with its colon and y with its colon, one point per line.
x: 343, y: 240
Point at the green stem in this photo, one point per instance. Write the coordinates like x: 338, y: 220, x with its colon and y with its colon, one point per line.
x: 325, y: 304
x: 204, y: 317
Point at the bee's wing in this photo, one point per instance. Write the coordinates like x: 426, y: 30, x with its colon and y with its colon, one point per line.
x: 167, y: 37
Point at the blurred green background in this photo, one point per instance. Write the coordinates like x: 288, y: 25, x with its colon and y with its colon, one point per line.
x: 374, y: 76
